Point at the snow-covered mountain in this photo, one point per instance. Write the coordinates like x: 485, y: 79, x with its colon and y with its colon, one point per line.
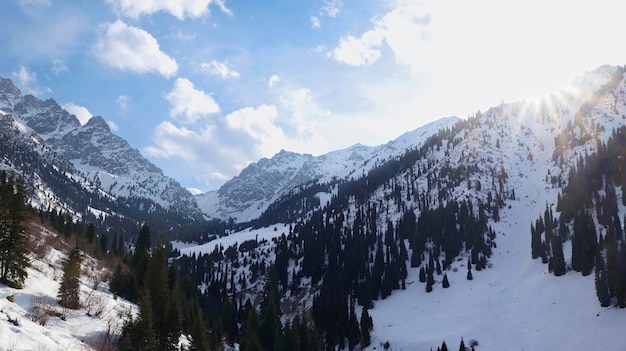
x: 510, y: 163
x: 461, y: 193
x: 96, y: 154
x: 247, y: 195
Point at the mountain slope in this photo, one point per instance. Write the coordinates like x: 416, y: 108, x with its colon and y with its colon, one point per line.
x: 509, y: 164
x: 31, y: 318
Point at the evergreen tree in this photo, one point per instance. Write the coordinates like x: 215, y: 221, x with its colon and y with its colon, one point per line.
x: 269, y: 322
x: 535, y: 242
x: 14, y: 242
x: 430, y: 280
x: 104, y: 244
x: 557, y: 261
x: 91, y: 233
x: 354, y: 331
x: 173, y: 324
x: 584, y: 243
x: 138, y: 334
x: 250, y: 338
x: 199, y: 340
x: 366, y: 328
x: 69, y: 291
x: 141, y: 254
x: 445, y: 283
x: 444, y: 347
x: 155, y: 281
x: 422, y: 275
x: 602, y: 285
x: 469, y: 270
x: 614, y: 268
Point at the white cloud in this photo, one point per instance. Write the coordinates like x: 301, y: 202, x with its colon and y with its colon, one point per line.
x: 123, y: 103
x: 221, y: 148
x: 194, y: 191
x: 173, y: 141
x: 181, y: 36
x: 188, y: 102
x: 332, y: 8
x: 24, y: 77
x: 27, y: 82
x: 81, y: 112
x: 315, y: 22
x: 274, y: 79
x: 214, y: 153
x: 221, y: 69
x: 36, y: 2
x: 113, y: 126
x: 359, y: 51
x: 58, y: 67
x: 403, y: 29
x: 259, y: 124
x: 180, y: 9
x: 130, y: 48
x: 222, y: 5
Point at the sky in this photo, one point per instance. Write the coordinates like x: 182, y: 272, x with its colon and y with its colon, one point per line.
x: 202, y: 88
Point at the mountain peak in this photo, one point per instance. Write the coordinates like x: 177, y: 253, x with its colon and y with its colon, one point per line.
x: 9, y: 93
x: 99, y: 123
x: 7, y: 86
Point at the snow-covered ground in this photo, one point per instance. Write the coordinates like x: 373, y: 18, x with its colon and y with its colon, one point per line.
x: 51, y: 327
x: 515, y: 305
x: 266, y: 233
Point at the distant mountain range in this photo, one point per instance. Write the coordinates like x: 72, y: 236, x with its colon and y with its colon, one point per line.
x: 247, y: 195
x: 105, y: 161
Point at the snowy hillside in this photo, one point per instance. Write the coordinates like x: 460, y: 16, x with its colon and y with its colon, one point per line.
x: 517, y: 304
x: 507, y: 162
x: 31, y: 318
x: 250, y: 193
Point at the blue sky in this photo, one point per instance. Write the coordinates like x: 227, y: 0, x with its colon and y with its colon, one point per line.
x: 204, y: 87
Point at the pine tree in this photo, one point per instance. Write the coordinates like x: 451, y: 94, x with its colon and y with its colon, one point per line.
x: 269, y: 321
x: 155, y: 281
x: 199, y: 340
x: 444, y: 347
x: 91, y: 232
x: 422, y: 275
x: 535, y: 242
x: 173, y: 323
x: 602, y: 286
x: 70, y: 283
x: 367, y: 324
x: 557, y: 260
x: 469, y: 270
x: 250, y: 338
x: 354, y: 330
x: 141, y: 254
x: 445, y: 283
x: 430, y: 280
x: 14, y: 242
x: 138, y: 334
